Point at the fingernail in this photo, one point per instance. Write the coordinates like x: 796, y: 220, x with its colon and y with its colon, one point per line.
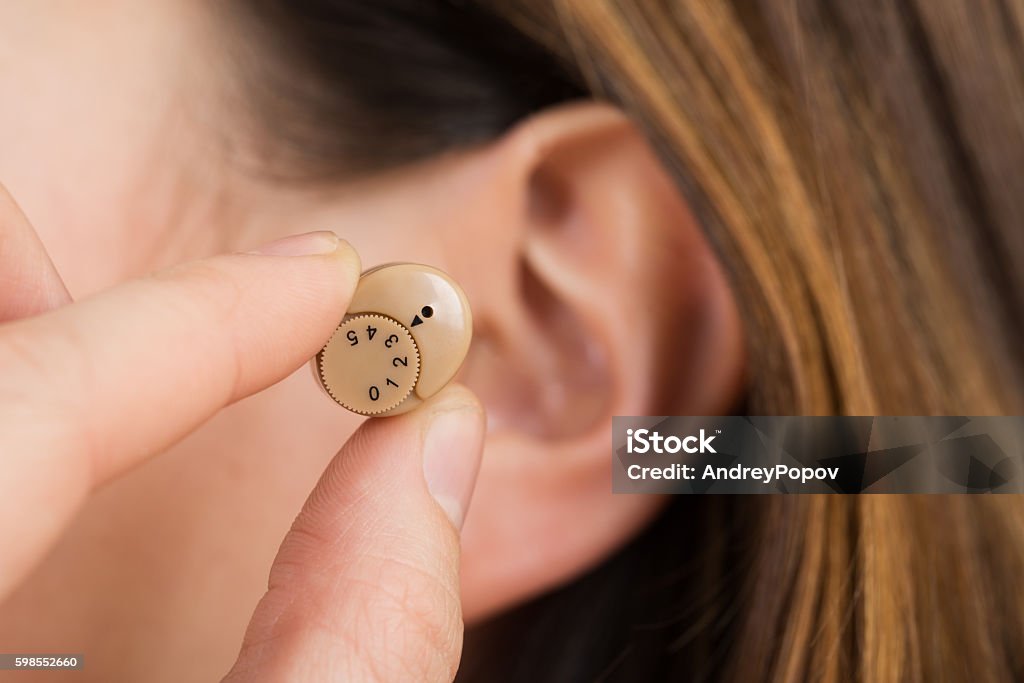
x: 321, y: 242
x: 451, y: 457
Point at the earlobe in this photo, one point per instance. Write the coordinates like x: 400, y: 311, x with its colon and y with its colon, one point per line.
x: 611, y: 304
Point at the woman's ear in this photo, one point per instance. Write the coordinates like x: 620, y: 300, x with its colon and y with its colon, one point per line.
x: 594, y: 294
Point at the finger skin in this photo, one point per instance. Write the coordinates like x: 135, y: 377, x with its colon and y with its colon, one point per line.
x: 365, y: 586
x: 90, y: 389
x: 29, y: 283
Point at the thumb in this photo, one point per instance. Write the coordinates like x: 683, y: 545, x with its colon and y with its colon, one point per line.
x: 365, y: 585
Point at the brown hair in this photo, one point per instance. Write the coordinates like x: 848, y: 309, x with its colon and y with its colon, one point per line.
x: 858, y: 167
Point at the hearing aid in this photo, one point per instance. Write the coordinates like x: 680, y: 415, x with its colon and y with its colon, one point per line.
x: 403, y: 338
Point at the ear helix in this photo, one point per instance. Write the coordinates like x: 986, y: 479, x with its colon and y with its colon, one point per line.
x: 405, y: 335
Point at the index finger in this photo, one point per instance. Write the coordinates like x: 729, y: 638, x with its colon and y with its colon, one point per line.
x: 90, y: 389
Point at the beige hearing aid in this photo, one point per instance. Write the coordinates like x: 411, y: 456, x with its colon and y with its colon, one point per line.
x: 403, y: 338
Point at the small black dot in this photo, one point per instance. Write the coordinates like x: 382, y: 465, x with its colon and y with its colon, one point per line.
x: 427, y: 311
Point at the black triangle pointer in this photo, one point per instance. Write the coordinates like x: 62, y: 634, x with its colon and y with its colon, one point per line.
x: 416, y: 321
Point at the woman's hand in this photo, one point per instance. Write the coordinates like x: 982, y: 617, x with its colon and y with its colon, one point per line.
x: 365, y: 585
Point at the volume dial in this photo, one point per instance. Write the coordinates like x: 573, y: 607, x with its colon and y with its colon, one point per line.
x: 370, y: 364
